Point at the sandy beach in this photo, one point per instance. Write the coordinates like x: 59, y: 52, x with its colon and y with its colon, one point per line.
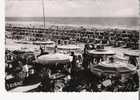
x: 118, y: 51
x: 28, y: 45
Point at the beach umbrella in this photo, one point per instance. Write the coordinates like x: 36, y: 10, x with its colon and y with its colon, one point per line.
x: 54, y: 58
x: 29, y: 50
x: 12, y: 47
x: 101, y: 52
x: 68, y: 47
x: 135, y: 54
x: 18, y: 52
x: 44, y: 43
x: 25, y: 88
x: 114, y: 67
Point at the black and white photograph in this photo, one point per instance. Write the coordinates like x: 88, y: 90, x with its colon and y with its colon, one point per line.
x: 72, y: 46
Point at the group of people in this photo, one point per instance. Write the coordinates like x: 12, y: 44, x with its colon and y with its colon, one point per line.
x: 112, y: 37
x: 80, y: 76
x: 20, y: 66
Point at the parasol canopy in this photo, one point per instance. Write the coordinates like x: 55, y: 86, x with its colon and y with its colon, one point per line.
x: 23, y: 48
x: 23, y: 42
x: 44, y: 43
x: 135, y: 54
x: 25, y: 88
x: 12, y: 47
x: 54, y: 58
x: 68, y: 47
x: 101, y: 52
x: 114, y: 67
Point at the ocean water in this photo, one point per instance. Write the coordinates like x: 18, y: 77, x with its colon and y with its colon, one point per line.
x: 127, y: 22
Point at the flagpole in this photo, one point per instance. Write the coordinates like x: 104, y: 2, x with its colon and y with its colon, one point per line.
x: 43, y: 8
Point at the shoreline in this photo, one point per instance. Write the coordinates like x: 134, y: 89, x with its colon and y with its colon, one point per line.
x: 88, y: 26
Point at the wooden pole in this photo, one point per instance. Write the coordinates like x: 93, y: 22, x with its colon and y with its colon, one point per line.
x: 43, y: 8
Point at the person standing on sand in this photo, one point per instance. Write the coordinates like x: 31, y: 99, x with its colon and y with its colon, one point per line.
x: 85, y: 59
x: 55, y: 49
x: 73, y: 64
x: 41, y: 49
x: 45, y: 80
x: 133, y: 60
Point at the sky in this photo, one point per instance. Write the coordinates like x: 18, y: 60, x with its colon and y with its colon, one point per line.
x: 72, y: 8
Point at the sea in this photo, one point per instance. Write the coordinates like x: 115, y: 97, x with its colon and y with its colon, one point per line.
x: 102, y: 22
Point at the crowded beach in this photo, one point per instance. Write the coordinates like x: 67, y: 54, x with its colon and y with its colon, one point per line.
x: 71, y: 59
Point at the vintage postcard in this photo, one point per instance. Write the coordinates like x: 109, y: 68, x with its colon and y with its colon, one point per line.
x: 72, y: 46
